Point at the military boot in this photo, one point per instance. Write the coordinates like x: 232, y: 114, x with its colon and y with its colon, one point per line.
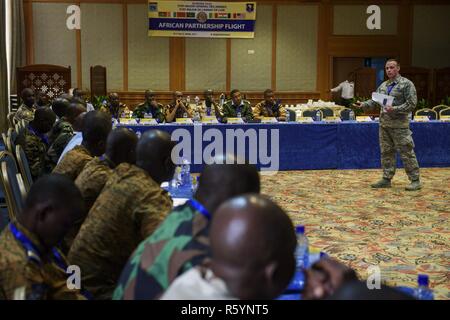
x: 414, y: 185
x: 383, y: 183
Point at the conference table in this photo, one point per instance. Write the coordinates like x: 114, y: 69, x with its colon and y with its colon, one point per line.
x: 302, y: 146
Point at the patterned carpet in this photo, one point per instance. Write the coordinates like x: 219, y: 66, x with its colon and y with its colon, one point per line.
x: 403, y: 233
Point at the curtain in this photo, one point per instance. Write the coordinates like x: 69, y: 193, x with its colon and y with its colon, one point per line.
x: 4, y: 94
x: 17, y: 41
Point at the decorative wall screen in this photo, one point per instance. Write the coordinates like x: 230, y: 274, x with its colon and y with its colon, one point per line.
x: 50, y: 79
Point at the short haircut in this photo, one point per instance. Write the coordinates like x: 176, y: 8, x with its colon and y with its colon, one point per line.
x: 97, y: 126
x: 60, y: 106
x: 56, y: 188
x: 234, y: 91
x: 268, y: 91
x: 393, y: 60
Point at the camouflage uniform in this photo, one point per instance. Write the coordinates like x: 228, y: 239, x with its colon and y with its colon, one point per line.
x: 395, y: 135
x: 59, y: 137
x: 73, y: 162
x: 230, y: 111
x: 35, y: 149
x: 205, y: 112
x: 26, y: 274
x: 178, y: 244
x: 180, y: 112
x: 143, y: 108
x: 129, y: 208
x: 24, y: 113
x: 115, y: 113
x: 263, y: 110
x: 90, y: 181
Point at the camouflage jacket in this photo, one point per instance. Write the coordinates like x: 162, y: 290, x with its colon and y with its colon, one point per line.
x: 208, y: 112
x: 59, y: 137
x: 179, y: 114
x: 179, y: 243
x: 24, y: 113
x: 405, y: 100
x: 262, y: 110
x: 115, y: 113
x: 129, y: 208
x: 143, y: 108
x: 73, y: 162
x: 35, y: 149
x: 26, y: 274
x: 231, y: 111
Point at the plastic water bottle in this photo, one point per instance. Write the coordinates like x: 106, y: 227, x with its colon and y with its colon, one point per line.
x: 351, y: 115
x: 318, y: 116
x: 423, y: 292
x: 239, y: 115
x: 185, y: 115
x: 302, y: 250
x: 288, y: 116
x: 186, y: 173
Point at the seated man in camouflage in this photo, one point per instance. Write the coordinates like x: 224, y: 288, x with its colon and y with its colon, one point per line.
x: 129, y: 208
x: 114, y: 107
x: 62, y: 130
x: 178, y: 108
x: 269, y: 108
x: 208, y: 107
x: 150, y: 108
x: 41, y: 99
x: 31, y: 267
x: 237, y: 107
x: 120, y: 148
x: 27, y: 108
x: 182, y: 240
x: 97, y: 126
x: 36, y: 144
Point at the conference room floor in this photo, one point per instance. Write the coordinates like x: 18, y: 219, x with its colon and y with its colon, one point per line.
x: 404, y: 233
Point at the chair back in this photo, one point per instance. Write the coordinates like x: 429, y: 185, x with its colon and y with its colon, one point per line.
x: 327, y: 112
x: 427, y: 112
x: 345, y: 114
x: 11, y: 119
x: 24, y: 167
x: 312, y: 113
x: 439, y: 108
x: 11, y: 188
x: 444, y: 112
x: 10, y: 145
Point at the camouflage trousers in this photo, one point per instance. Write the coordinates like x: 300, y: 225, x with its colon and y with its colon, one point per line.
x: 393, y: 140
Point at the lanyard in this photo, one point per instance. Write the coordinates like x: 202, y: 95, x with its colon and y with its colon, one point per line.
x: 200, y: 208
x: 390, y: 87
x: 29, y: 246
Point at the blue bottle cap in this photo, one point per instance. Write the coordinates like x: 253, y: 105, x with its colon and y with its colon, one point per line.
x: 323, y: 255
x: 300, y: 229
x: 423, y: 280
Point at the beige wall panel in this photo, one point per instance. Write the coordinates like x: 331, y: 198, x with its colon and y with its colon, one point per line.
x: 297, y: 47
x: 352, y: 19
x: 431, y: 36
x: 206, y: 64
x: 148, y: 57
x: 252, y: 72
x: 102, y: 42
x: 53, y: 42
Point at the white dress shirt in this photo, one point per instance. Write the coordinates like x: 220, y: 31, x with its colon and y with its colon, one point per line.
x: 76, y: 140
x: 347, y: 89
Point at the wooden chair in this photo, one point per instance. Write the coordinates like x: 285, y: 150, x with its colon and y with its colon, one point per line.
x: 98, y: 81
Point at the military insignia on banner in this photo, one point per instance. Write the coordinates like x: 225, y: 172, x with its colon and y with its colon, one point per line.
x: 250, y: 7
x: 152, y: 7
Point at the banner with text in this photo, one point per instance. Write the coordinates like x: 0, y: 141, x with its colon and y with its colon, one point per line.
x: 201, y: 19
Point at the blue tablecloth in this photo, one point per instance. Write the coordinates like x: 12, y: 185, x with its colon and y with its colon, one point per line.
x: 345, y: 145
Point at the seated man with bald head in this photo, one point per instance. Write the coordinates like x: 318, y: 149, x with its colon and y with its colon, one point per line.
x: 27, y: 108
x: 150, y: 108
x: 129, y: 208
x: 182, y: 240
x: 36, y: 142
x: 31, y: 266
x: 97, y: 126
x: 120, y: 148
x: 178, y: 108
x: 252, y: 244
